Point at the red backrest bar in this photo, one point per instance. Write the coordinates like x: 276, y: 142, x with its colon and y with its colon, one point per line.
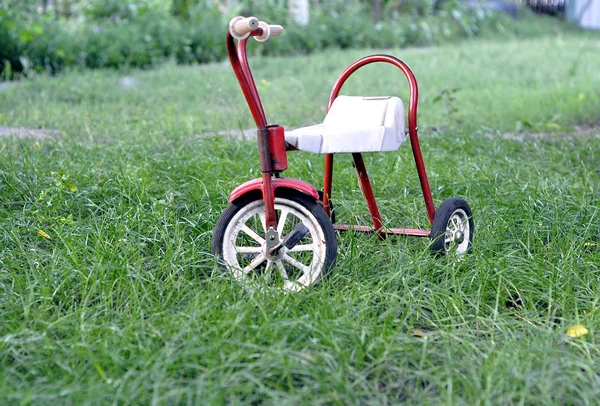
x: 412, y: 115
x: 412, y: 82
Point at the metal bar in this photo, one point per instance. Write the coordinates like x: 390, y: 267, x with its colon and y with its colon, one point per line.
x: 241, y: 68
x: 327, y: 182
x: 412, y: 116
x: 264, y: 150
x: 367, y: 190
x: 268, y: 193
x: 416, y: 149
x: 253, y: 102
x: 245, y: 65
x: 397, y: 231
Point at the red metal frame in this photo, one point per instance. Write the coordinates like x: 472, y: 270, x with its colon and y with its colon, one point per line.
x: 327, y: 182
x: 412, y: 128
x: 241, y: 67
x: 383, y: 231
x: 365, y: 186
x: 267, y: 183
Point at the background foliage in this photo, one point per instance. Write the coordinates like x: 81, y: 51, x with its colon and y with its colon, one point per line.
x: 45, y: 35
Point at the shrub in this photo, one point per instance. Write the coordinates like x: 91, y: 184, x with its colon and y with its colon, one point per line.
x: 120, y: 34
x: 202, y: 38
x: 52, y: 48
x: 15, y: 33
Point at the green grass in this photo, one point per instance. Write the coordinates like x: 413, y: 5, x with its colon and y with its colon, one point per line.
x: 122, y: 303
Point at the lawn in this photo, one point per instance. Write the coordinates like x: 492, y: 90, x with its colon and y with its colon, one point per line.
x: 108, y: 292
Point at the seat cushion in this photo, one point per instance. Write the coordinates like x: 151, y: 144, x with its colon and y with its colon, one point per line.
x: 354, y: 124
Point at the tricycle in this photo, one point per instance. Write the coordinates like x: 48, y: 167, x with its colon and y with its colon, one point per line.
x: 279, y: 230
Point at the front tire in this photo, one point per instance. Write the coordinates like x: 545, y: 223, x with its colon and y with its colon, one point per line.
x: 452, y: 229
x: 238, y: 241
x: 330, y: 203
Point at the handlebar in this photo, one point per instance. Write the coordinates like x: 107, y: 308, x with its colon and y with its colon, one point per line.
x: 268, y: 31
x: 242, y: 27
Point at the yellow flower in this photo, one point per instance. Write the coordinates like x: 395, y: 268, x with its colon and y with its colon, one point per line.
x: 42, y: 233
x: 577, y: 331
x: 419, y: 333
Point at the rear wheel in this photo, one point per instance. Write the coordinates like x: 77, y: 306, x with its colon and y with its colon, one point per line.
x: 452, y: 228
x: 239, y: 242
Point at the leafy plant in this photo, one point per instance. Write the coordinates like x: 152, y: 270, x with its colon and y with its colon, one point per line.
x: 141, y: 33
x: 448, y: 99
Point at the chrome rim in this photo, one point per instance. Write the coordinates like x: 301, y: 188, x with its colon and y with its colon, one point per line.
x: 458, y: 233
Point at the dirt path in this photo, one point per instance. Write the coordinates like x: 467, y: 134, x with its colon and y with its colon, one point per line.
x: 38, y: 134
x: 578, y: 131
x: 582, y: 131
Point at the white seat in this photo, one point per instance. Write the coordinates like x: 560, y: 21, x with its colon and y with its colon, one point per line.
x: 354, y: 124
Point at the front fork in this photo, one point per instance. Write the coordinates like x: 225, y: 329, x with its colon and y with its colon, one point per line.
x: 273, y: 160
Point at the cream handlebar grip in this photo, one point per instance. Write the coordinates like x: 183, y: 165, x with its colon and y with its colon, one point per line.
x: 268, y: 31
x: 276, y: 30
x: 241, y: 27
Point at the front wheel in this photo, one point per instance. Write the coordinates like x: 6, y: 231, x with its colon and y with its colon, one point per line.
x: 239, y: 241
x: 452, y: 228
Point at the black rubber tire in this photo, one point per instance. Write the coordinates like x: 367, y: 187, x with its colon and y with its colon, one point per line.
x: 310, y: 204
x: 331, y: 206
x: 440, y: 225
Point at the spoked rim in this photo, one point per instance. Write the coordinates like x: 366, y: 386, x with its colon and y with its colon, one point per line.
x: 245, y: 253
x: 458, y: 232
